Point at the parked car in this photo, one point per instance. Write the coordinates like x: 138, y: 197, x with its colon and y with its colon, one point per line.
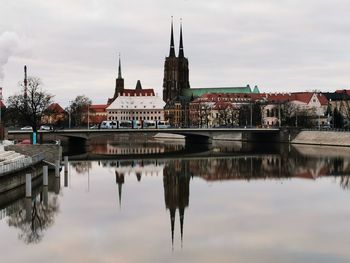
x: 27, y: 128
x: 45, y: 128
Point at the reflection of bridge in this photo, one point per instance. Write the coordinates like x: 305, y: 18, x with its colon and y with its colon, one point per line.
x: 191, y: 134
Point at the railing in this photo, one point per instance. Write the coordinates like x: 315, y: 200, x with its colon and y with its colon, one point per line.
x: 326, y: 129
x: 20, y: 164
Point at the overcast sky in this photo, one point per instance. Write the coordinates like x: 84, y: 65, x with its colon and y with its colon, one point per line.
x: 73, y: 46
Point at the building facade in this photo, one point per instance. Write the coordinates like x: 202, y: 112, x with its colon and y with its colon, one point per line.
x: 136, y: 105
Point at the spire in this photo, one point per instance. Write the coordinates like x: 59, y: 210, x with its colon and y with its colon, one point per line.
x: 182, y: 215
x: 181, y: 48
x: 172, y: 46
x: 138, y: 85
x: 119, y: 178
x: 172, y: 219
x: 119, y: 69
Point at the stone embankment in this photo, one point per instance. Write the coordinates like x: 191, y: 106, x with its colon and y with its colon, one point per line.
x: 331, y: 138
x: 51, y: 152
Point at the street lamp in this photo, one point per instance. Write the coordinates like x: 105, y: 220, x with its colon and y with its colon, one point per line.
x: 69, y: 114
x: 88, y: 115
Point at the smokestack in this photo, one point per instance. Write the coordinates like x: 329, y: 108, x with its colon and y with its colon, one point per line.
x: 25, y: 81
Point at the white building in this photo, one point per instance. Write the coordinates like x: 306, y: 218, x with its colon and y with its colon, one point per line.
x: 140, y: 105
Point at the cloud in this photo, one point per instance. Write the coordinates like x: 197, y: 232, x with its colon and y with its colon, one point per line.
x: 9, y: 44
x: 280, y: 45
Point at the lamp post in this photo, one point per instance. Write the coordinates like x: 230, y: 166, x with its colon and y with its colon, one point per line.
x: 88, y: 115
x: 69, y: 114
x: 251, y: 114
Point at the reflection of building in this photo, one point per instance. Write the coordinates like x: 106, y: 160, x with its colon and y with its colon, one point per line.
x: 131, y: 169
x: 134, y: 148
x: 127, y: 149
x: 176, y: 183
x: 119, y: 179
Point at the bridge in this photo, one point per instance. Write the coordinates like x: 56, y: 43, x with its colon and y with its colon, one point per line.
x: 191, y: 134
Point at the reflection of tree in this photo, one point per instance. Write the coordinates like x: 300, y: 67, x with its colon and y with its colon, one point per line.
x: 33, y: 217
x: 345, y: 182
x: 81, y: 167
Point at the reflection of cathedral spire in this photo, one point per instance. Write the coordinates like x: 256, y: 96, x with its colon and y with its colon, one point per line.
x: 176, y: 194
x: 182, y: 215
x: 119, y: 178
x: 172, y: 220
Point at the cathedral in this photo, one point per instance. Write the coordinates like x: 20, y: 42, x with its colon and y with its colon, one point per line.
x: 176, y: 73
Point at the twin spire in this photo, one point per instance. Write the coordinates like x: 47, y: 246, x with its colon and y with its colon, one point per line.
x: 172, y: 45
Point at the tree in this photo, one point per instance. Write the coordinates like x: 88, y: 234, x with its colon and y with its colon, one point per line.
x: 244, y: 115
x: 257, y: 115
x: 250, y: 114
x: 78, y: 110
x: 204, y: 114
x: 28, y: 109
x: 337, y: 119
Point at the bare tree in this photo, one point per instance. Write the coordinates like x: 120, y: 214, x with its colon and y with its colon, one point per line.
x: 28, y: 108
x: 204, y: 114
x: 78, y: 109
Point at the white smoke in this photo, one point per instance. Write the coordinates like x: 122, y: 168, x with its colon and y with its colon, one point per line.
x: 9, y: 44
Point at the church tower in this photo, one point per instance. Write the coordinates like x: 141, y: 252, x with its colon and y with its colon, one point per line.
x: 119, y: 85
x: 119, y: 82
x: 176, y: 73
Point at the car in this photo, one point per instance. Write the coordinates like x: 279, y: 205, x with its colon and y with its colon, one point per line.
x: 27, y: 128
x: 45, y: 128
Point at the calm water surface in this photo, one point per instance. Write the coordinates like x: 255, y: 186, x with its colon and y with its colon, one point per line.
x: 227, y: 203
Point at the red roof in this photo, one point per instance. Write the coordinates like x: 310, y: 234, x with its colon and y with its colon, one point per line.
x: 55, y: 107
x: 284, y: 97
x: 343, y: 91
x: 98, y: 107
x: 304, y: 97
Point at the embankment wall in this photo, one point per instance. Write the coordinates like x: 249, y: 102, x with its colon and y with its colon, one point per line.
x: 323, y: 138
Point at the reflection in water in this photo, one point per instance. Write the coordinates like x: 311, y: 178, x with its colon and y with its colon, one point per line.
x: 134, y: 145
x: 33, y: 216
x: 176, y: 182
x: 177, y: 174
x: 81, y: 167
x: 133, y: 168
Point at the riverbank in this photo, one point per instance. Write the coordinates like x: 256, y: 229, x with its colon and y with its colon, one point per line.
x: 329, y: 138
x: 51, y: 152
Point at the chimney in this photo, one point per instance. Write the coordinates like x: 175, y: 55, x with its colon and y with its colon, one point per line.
x: 25, y: 81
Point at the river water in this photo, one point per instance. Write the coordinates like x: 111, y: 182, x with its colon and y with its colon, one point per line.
x: 163, y: 201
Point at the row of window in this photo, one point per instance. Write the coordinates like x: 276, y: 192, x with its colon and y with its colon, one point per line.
x: 134, y: 112
x: 144, y: 118
x: 127, y: 107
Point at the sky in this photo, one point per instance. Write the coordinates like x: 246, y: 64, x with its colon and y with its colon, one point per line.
x: 73, y: 46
